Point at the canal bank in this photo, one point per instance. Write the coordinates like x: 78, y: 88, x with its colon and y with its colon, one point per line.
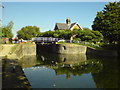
x: 13, y: 76
x: 17, y: 51
x: 21, y: 50
x: 107, y: 53
x: 61, y: 48
x: 73, y: 49
x: 12, y: 73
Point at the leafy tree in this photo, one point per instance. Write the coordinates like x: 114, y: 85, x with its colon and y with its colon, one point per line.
x: 7, y: 30
x: 86, y: 29
x: 84, y: 35
x: 56, y: 33
x: 74, y: 34
x: 97, y: 36
x: 108, y: 22
x: 1, y: 31
x: 89, y: 35
x: 28, y: 32
x: 65, y: 34
x: 48, y: 34
x: 40, y: 34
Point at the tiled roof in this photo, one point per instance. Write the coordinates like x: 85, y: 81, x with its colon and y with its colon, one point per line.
x: 72, y: 25
x: 62, y: 26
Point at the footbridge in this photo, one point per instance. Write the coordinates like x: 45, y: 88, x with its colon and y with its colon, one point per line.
x: 45, y: 40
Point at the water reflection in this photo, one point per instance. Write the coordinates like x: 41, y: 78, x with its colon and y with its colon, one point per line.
x: 82, y: 71
x: 28, y: 61
x: 69, y: 64
x: 48, y: 58
x: 109, y: 76
x: 71, y: 71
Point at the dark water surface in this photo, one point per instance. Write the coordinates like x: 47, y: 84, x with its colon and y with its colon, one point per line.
x: 71, y: 71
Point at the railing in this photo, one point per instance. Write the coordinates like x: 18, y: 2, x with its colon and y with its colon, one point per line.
x: 76, y: 41
x: 52, y: 40
x: 82, y: 42
x: 45, y: 39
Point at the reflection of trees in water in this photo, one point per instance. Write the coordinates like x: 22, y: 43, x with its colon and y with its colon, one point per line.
x: 106, y: 76
x: 105, y: 72
x: 92, y: 66
x: 109, y: 76
x: 71, y: 64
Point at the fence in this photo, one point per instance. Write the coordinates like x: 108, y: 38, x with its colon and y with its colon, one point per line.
x: 45, y: 39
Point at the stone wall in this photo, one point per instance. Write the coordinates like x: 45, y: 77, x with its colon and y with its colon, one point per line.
x: 62, y: 48
x: 33, y: 49
x: 25, y: 49
x: 101, y: 52
x: 73, y: 49
x: 17, y: 51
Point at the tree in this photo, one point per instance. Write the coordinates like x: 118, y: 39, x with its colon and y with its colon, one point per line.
x: 28, y: 32
x: 77, y: 34
x: 89, y: 35
x: 48, y: 34
x: 74, y: 34
x: 65, y: 34
x: 7, y: 30
x: 96, y: 36
x: 85, y: 35
x: 108, y: 22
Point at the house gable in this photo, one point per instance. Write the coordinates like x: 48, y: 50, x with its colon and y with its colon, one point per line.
x: 76, y: 26
x: 67, y: 25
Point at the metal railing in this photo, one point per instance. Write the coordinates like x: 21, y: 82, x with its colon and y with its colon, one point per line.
x: 45, y: 39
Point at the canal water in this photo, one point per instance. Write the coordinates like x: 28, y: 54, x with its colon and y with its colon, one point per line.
x: 71, y: 71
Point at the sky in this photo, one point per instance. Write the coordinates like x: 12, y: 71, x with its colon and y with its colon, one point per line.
x: 45, y: 14
x: 58, y: 0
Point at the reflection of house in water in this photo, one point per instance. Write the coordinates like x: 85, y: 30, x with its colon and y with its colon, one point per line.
x: 63, y: 64
x: 91, y: 66
x: 69, y: 64
x: 61, y: 73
